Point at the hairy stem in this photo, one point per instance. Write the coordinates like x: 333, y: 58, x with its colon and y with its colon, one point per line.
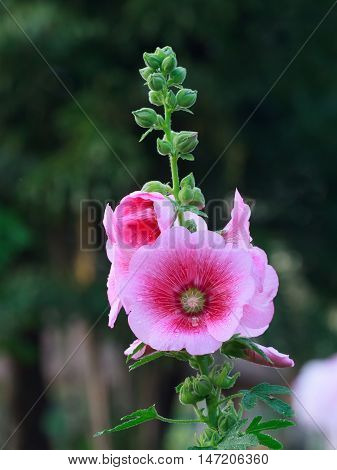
x: 173, y: 160
x: 178, y: 421
x: 212, y: 401
x: 231, y: 397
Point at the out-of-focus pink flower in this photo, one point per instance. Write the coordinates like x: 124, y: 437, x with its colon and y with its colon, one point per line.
x: 315, y: 399
x: 259, y: 311
x: 277, y: 359
x: 138, y: 220
x: 187, y: 291
x: 133, y: 346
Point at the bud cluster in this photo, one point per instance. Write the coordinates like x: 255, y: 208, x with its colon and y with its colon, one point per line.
x: 194, y: 389
x: 190, y: 195
x: 161, y: 74
x: 220, y: 377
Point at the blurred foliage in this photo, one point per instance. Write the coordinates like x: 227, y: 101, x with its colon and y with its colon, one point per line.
x: 69, y: 80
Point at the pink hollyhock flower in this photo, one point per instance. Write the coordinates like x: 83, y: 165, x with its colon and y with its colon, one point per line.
x: 277, y: 359
x: 315, y: 399
x: 259, y: 311
x: 187, y: 290
x: 133, y: 346
x: 137, y: 220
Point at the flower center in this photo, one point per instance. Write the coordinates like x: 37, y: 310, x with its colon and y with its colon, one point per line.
x: 192, y: 300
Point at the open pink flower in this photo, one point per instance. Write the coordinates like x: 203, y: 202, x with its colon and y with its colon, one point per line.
x: 259, y: 311
x: 187, y: 290
x: 278, y: 360
x: 137, y: 220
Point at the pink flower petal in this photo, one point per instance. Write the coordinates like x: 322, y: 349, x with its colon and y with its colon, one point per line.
x: 140, y: 217
x: 114, y: 300
x: 133, y: 346
x: 108, y: 222
x: 236, y: 231
x: 278, y: 360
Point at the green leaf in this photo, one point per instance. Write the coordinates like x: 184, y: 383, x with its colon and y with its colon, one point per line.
x: 133, y: 419
x: 201, y: 448
x: 187, y: 156
x: 186, y: 110
x: 145, y: 134
x: 255, y: 421
x: 268, y: 441
x: 195, y: 210
x: 256, y: 425
x: 179, y: 355
x: 279, y: 406
x: 137, y: 349
x: 269, y: 389
x: 146, y: 359
x: 235, y: 442
x: 265, y: 392
x: 249, y: 400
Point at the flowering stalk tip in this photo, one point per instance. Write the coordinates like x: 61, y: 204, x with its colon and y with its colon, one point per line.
x: 163, y: 77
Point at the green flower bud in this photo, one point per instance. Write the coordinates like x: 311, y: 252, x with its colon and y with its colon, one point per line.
x: 208, y: 438
x: 186, y: 195
x: 202, y: 386
x: 186, y: 98
x: 186, y: 141
x: 156, y: 81
x: 157, y: 187
x: 207, y: 361
x: 222, y: 379
x: 177, y: 76
x: 188, y: 181
x: 228, y: 419
x: 171, y: 99
x: 156, y: 98
x: 151, y: 60
x: 164, y: 52
x: 198, y: 198
x: 190, y: 225
x: 145, y: 72
x: 187, y: 395
x: 160, y: 122
x: 145, y: 117
x: 163, y: 147
x: 169, y: 63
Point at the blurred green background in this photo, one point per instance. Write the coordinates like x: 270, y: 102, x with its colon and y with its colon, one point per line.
x: 60, y: 133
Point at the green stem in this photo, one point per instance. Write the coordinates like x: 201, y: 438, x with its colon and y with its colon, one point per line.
x: 173, y: 160
x: 175, y: 176
x: 231, y: 397
x: 199, y: 414
x: 178, y: 421
x: 212, y: 408
x: 212, y: 401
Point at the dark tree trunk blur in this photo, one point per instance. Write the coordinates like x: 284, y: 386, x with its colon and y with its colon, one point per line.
x: 27, y: 387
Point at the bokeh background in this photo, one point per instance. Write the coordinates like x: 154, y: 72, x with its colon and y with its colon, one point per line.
x: 64, y: 134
